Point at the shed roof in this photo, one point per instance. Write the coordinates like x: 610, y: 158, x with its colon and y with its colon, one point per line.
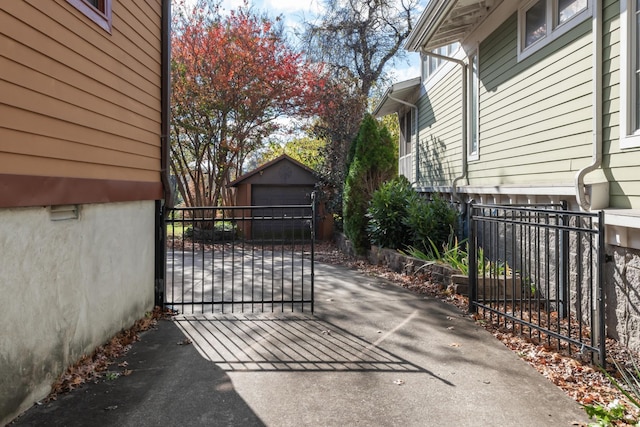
x: 268, y: 165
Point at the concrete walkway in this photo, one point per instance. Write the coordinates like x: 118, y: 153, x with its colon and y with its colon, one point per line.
x: 372, y: 354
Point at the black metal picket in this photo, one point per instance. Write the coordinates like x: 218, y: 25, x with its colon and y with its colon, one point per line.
x: 240, y: 259
x: 538, y: 269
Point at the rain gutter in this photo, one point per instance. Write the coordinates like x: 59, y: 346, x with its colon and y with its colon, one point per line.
x: 165, y: 102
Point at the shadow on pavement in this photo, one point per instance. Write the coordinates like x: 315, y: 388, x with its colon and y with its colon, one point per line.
x: 170, y: 385
x: 290, y: 342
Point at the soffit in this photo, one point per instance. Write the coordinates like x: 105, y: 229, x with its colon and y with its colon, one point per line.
x: 447, y: 21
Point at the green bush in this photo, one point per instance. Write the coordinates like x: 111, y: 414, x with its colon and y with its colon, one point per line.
x: 387, y: 213
x: 374, y: 162
x: 430, y: 222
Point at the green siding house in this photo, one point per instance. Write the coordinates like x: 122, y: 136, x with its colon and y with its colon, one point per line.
x: 532, y: 101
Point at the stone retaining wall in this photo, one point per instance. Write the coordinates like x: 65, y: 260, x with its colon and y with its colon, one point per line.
x: 434, y: 272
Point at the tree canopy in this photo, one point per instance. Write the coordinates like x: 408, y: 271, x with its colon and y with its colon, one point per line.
x: 233, y: 76
x: 360, y: 37
x: 356, y: 40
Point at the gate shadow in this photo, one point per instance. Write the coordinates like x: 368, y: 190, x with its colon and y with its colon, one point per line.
x: 292, y: 342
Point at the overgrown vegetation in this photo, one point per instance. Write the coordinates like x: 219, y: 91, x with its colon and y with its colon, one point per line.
x: 453, y: 253
x: 388, y: 213
x: 431, y: 222
x: 399, y: 218
x: 374, y: 162
x: 628, y: 382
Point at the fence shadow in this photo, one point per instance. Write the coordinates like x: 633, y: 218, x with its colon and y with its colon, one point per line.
x: 292, y: 342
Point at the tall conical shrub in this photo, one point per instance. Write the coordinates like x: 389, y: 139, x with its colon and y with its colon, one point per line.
x: 374, y: 162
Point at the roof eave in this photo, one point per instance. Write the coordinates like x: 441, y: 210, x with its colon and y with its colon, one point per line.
x: 428, y: 23
x: 408, y: 86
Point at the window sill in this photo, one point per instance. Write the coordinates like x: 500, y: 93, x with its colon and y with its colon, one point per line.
x: 631, y: 141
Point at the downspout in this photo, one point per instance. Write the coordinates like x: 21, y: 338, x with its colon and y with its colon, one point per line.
x: 165, y: 116
x: 415, y: 148
x: 596, y: 110
x: 165, y: 101
x: 463, y: 67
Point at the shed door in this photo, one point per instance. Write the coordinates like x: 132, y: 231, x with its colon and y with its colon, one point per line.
x: 269, y: 195
x: 274, y: 195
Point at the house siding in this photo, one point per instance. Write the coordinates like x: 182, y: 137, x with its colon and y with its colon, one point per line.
x: 76, y: 101
x: 622, y: 167
x: 438, y: 153
x: 536, y: 114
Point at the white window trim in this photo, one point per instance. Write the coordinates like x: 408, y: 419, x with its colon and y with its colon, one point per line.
x: 554, y: 30
x: 441, y: 72
x: 628, y: 139
x: 471, y: 156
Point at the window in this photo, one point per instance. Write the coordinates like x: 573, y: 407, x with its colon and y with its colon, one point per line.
x: 473, y: 139
x: 407, y: 130
x: 430, y: 64
x: 630, y: 73
x: 407, y: 127
x: 542, y: 21
x: 99, y: 11
x: 567, y: 9
x: 535, y: 26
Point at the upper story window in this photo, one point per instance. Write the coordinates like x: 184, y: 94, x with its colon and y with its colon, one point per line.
x: 473, y: 126
x: 542, y: 21
x: 407, y: 130
x: 430, y: 64
x: 629, y: 73
x: 99, y: 11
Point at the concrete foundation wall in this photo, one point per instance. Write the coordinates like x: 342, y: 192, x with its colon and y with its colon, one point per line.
x: 67, y: 286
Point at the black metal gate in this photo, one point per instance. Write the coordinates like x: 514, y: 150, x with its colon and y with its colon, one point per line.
x: 538, y: 270
x: 240, y: 259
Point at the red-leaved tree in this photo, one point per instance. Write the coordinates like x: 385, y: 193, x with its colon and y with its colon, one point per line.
x: 233, y: 76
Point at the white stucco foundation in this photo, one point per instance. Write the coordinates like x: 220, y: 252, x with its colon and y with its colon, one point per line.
x: 67, y: 286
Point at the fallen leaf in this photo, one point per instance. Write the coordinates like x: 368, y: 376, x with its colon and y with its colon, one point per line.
x: 454, y: 344
x: 127, y: 372
x: 185, y: 341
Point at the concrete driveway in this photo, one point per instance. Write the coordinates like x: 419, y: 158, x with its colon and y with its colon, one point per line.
x: 372, y: 354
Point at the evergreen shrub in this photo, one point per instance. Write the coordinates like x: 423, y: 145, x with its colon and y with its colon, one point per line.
x: 388, y: 213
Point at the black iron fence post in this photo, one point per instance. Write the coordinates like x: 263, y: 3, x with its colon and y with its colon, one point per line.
x: 564, y: 297
x: 601, y: 294
x: 473, y: 266
x: 160, y: 253
x: 314, y: 211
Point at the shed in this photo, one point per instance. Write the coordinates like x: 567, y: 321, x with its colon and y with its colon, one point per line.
x: 282, y: 181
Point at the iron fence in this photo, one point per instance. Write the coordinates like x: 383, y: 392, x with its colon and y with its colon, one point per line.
x: 240, y: 259
x: 538, y: 270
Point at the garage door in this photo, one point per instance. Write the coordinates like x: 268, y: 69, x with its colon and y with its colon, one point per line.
x: 272, y: 196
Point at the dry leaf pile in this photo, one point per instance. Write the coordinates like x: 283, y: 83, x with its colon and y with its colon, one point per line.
x: 93, y: 367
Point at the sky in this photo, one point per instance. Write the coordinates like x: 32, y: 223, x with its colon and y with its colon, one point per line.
x: 293, y: 12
